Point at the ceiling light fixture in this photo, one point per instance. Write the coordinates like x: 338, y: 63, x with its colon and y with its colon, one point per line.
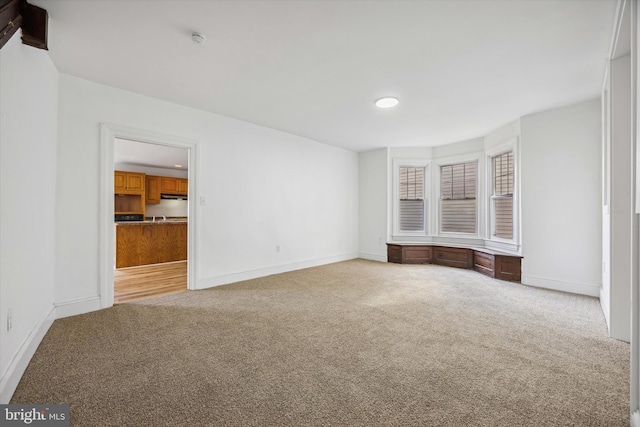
x: 198, y: 38
x: 387, y: 102
x: 178, y: 166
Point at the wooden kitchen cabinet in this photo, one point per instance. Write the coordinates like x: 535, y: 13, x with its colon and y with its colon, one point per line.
x: 128, y: 182
x: 183, y: 186
x: 169, y: 185
x: 152, y: 195
x: 150, y: 243
x: 172, y: 185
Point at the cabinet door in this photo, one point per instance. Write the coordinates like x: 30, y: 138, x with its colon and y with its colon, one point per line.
x: 128, y: 238
x: 135, y: 181
x: 169, y: 185
x: 153, y: 190
x: 183, y: 186
x: 119, y: 181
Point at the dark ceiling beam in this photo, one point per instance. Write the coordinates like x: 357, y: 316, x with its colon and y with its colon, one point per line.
x: 10, y: 19
x: 15, y: 14
x: 34, y: 25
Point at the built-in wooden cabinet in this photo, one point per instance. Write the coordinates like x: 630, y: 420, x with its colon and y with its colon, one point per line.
x: 157, y: 185
x: 128, y: 182
x: 152, y: 196
x: 492, y: 263
x: 414, y: 254
x: 172, y: 185
x: 129, y: 192
x: 150, y: 243
x: 183, y: 186
x: 453, y: 257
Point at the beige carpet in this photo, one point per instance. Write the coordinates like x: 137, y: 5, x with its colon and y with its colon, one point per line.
x: 356, y: 343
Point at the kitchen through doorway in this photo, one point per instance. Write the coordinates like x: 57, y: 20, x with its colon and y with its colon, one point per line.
x: 151, y: 219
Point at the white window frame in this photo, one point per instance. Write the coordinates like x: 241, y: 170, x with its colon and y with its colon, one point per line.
x: 500, y: 242
x: 437, y: 196
x: 411, y: 163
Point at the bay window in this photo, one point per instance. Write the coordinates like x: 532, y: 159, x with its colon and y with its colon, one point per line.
x: 411, y: 198
x: 458, y: 188
x: 502, y: 195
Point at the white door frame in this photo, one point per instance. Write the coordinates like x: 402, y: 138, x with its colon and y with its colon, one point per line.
x: 108, y: 134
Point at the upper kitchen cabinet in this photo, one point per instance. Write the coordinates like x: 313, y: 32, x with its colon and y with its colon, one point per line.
x: 183, y: 186
x: 128, y: 182
x: 153, y: 189
x: 171, y: 185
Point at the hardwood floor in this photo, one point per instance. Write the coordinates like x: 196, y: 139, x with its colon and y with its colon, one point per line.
x: 133, y: 283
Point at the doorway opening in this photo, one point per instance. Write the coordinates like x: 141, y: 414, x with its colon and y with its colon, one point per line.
x: 147, y: 217
x: 151, y: 215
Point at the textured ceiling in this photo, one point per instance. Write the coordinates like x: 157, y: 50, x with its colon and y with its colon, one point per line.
x: 314, y: 68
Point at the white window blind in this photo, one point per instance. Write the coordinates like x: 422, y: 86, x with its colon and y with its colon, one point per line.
x: 458, y: 185
x: 412, y: 206
x: 503, y: 184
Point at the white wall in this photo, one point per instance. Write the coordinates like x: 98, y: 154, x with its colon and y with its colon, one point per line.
x: 263, y: 188
x: 373, y: 233
x: 28, y: 123
x: 502, y: 134
x: 621, y: 205
x: 168, y: 208
x: 560, y: 215
x: 561, y: 198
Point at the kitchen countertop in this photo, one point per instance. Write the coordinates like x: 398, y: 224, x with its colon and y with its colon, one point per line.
x: 156, y: 222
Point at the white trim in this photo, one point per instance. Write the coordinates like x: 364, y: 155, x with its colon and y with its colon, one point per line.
x: 511, y: 144
x: 225, y: 279
x: 417, y: 163
x: 22, y: 357
x: 502, y: 246
x: 635, y: 262
x: 106, y: 232
x: 372, y: 257
x: 77, y: 306
x: 562, y: 285
x: 475, y: 156
x: 604, y: 304
x: 617, y: 26
x: 410, y: 239
x: 457, y: 241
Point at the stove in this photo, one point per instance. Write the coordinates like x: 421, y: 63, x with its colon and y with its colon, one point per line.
x: 128, y: 217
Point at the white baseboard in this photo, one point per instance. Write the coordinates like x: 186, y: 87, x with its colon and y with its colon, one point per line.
x: 209, y: 282
x: 604, y: 305
x: 20, y: 361
x: 561, y: 285
x: 372, y: 257
x: 635, y: 419
x: 77, y: 306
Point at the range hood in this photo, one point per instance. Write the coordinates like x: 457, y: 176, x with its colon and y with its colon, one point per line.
x: 168, y: 196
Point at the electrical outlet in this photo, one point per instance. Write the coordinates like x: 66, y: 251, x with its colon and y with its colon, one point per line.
x: 9, y: 320
x: 379, y: 240
x: 203, y: 201
x: 277, y: 248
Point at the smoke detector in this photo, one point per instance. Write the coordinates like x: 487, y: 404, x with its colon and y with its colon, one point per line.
x: 198, y: 38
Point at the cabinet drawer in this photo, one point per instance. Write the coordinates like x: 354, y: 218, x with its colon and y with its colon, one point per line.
x: 483, y: 263
x: 483, y: 260
x: 416, y: 254
x: 453, y: 257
